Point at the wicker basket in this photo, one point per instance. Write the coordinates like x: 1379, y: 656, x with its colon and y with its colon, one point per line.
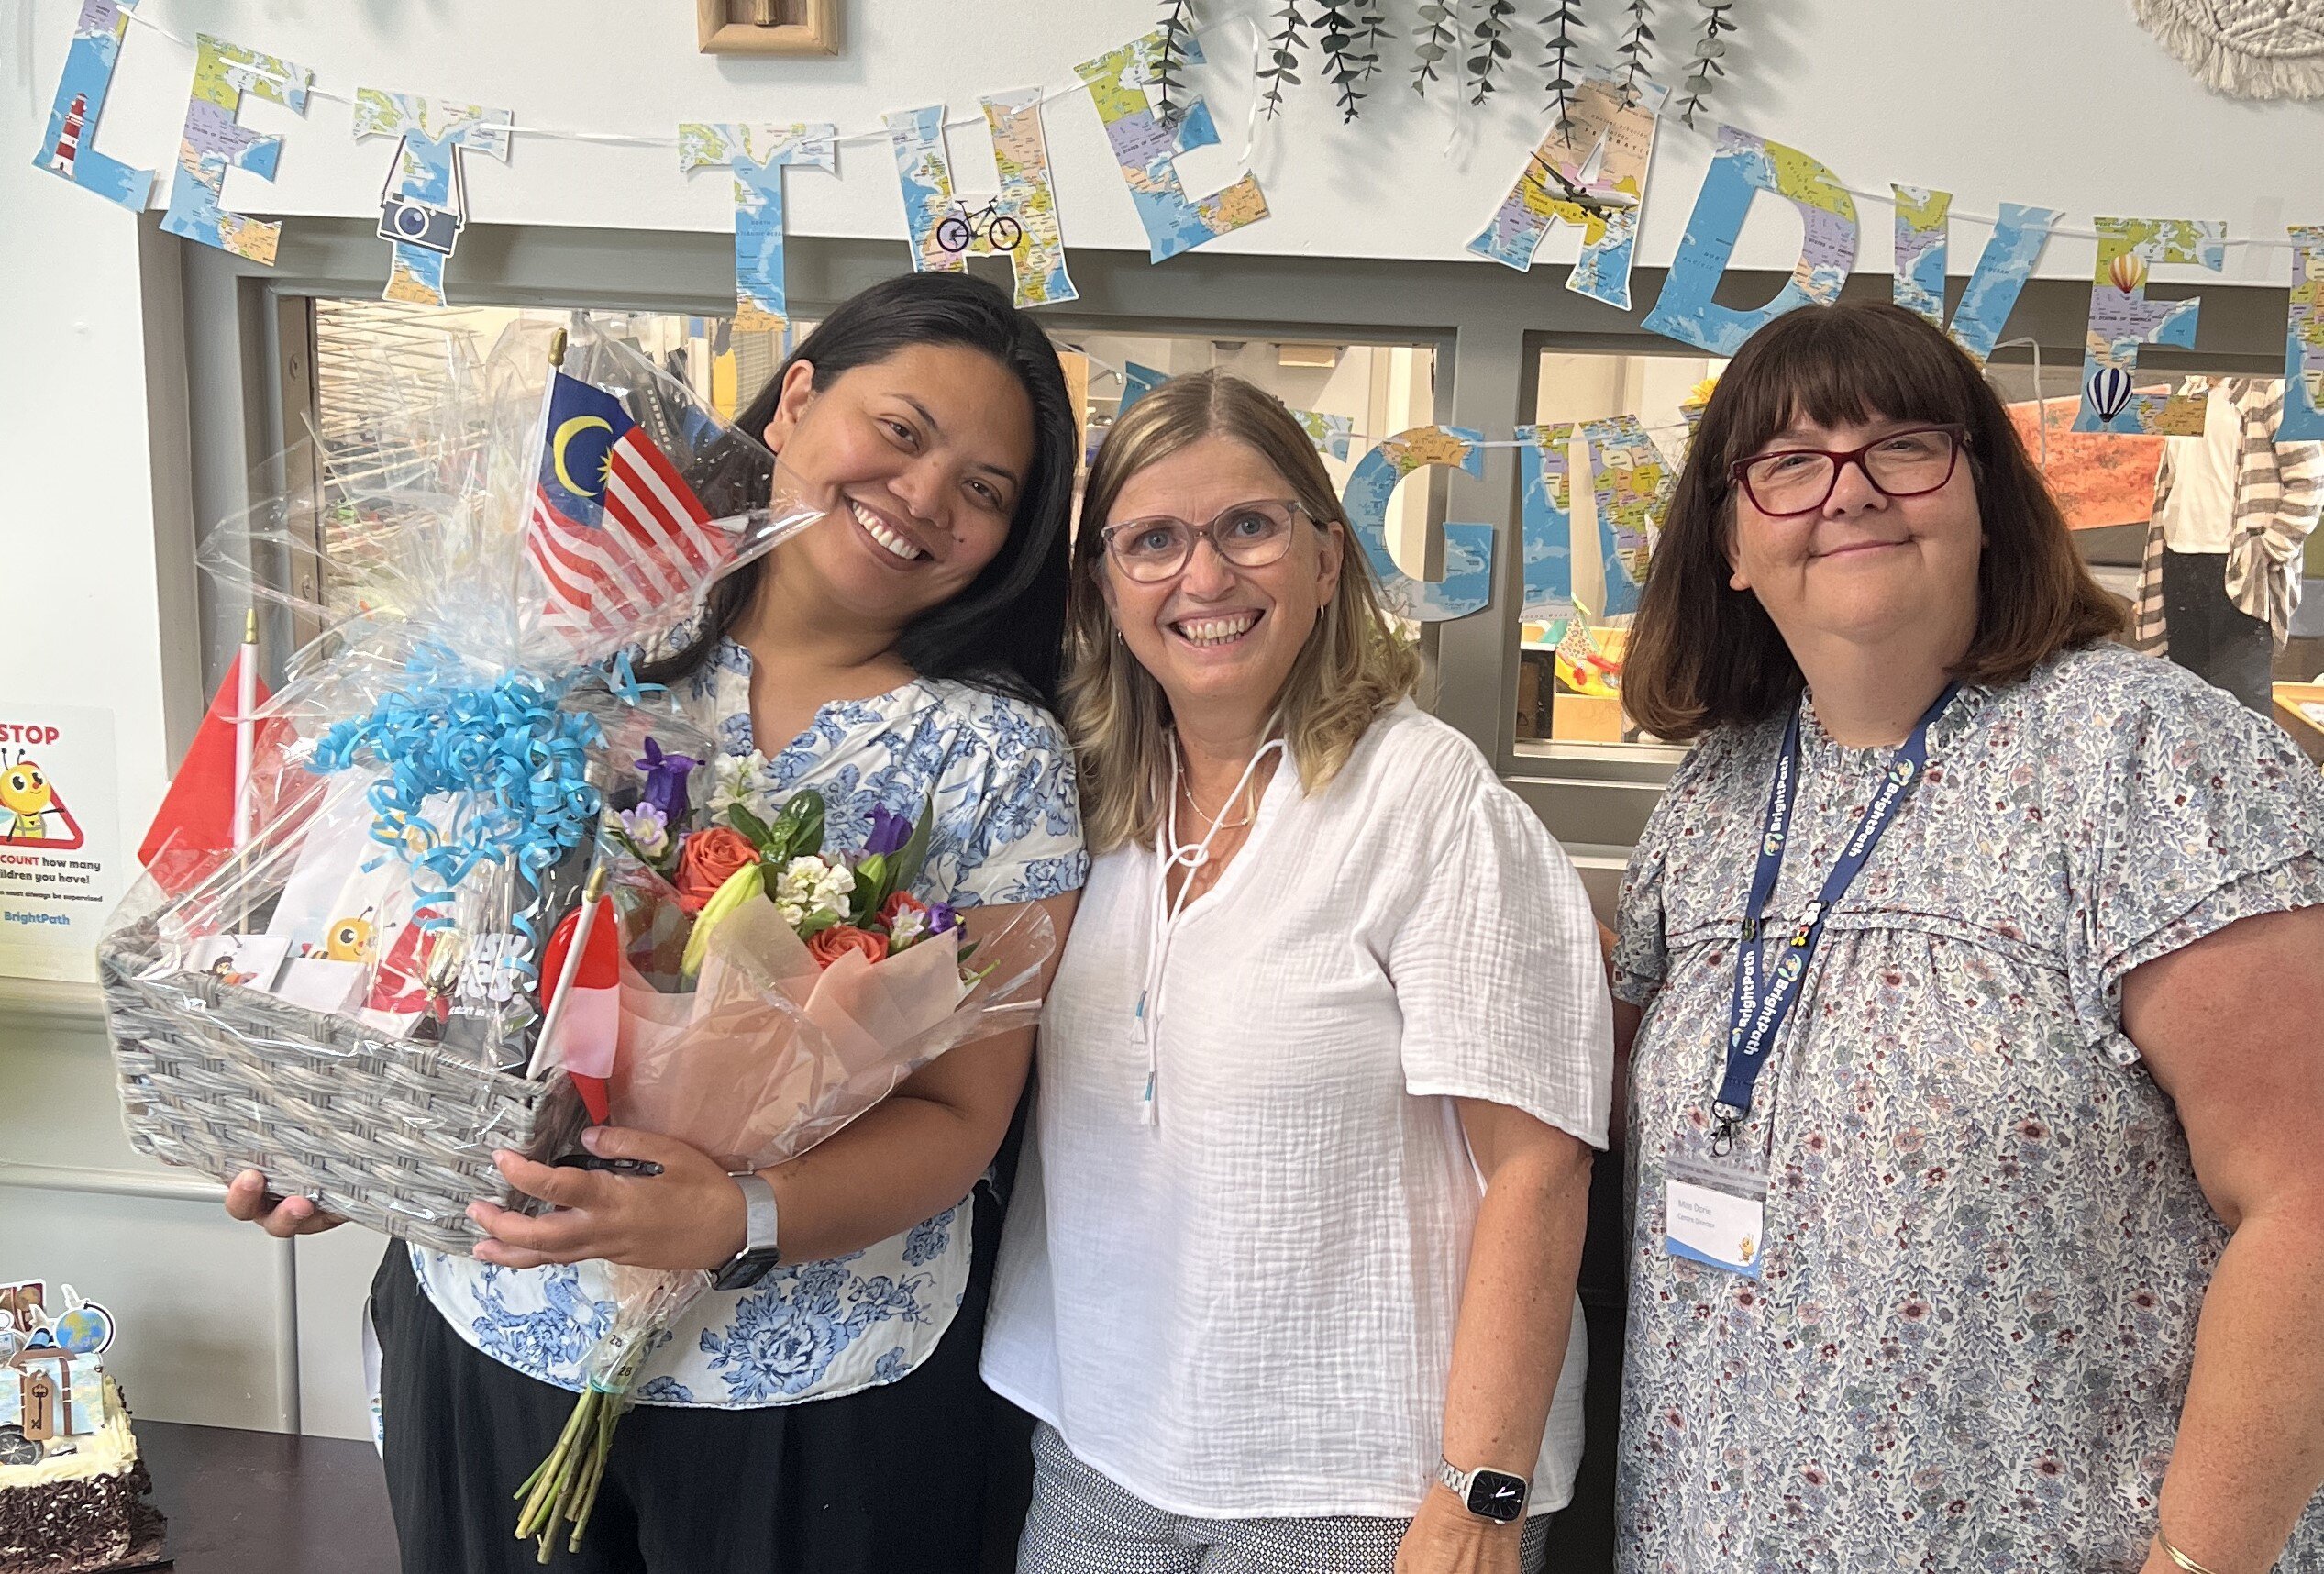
x: 390, y: 1134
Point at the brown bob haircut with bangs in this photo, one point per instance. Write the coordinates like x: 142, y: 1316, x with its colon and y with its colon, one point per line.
x: 1703, y: 654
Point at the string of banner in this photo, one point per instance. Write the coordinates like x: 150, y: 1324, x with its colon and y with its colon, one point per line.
x: 1590, y: 172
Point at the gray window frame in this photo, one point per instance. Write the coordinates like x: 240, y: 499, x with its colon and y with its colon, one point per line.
x: 250, y: 361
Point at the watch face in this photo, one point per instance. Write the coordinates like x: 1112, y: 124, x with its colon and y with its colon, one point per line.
x: 1495, y: 1494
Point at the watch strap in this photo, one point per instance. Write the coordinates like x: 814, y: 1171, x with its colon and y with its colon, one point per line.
x: 760, y: 1254
x: 1463, y: 1484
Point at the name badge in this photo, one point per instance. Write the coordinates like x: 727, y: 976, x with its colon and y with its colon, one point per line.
x: 1715, y: 1215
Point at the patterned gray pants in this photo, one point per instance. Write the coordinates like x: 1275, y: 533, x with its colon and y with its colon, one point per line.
x: 1083, y: 1524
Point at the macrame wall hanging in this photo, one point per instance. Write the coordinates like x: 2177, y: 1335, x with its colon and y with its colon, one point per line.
x: 2247, y: 48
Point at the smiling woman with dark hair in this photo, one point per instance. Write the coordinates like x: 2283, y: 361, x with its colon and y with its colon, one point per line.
x: 1973, y: 1111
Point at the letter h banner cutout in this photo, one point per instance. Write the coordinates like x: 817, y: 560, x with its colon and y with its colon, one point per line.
x: 1020, y: 223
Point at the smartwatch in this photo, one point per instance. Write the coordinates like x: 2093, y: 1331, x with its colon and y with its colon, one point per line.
x: 1489, y: 1495
x: 759, y: 1255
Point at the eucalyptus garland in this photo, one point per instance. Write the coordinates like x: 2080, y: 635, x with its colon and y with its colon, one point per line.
x: 1491, y: 38
x: 1177, y: 30
x: 1371, y: 16
x: 1280, y: 68
x: 1436, y: 38
x: 1346, y: 63
x: 1560, y: 25
x: 1708, y: 49
x: 1636, y: 48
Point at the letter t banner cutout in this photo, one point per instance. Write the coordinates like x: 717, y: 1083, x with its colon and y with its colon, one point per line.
x: 212, y: 142
x: 1742, y: 166
x: 2304, y: 341
x: 1468, y: 583
x: 758, y: 155
x: 1992, y: 290
x: 1021, y: 224
x: 2122, y: 318
x: 68, y: 149
x: 1144, y: 148
x: 425, y: 207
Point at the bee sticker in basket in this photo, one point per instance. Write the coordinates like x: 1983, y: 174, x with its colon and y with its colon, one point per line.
x: 350, y: 940
x: 31, y: 813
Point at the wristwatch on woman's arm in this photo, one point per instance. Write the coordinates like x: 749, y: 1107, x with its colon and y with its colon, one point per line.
x: 1489, y: 1495
x: 758, y: 1256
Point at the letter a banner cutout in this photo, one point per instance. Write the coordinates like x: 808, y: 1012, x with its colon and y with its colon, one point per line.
x: 1555, y: 188
x: 1468, y: 581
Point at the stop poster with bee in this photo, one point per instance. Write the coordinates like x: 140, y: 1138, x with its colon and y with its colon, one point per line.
x: 61, y: 864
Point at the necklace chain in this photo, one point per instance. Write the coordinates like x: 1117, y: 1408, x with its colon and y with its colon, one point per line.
x: 1185, y: 785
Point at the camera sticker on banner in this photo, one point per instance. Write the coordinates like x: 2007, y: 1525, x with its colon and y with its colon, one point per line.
x: 61, y: 863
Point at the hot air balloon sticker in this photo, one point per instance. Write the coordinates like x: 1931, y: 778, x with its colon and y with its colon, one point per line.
x: 2108, y: 391
x: 2127, y: 272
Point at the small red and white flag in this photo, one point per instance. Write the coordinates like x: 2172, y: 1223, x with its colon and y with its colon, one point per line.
x: 582, y: 1036
x: 619, y: 540
x: 196, y: 823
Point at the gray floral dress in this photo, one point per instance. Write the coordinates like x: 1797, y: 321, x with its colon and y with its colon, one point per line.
x: 1985, y: 1248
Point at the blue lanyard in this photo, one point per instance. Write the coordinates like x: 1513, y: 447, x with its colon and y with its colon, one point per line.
x: 1761, y: 1009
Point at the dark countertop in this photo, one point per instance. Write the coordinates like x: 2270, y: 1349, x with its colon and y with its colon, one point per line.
x: 264, y: 1503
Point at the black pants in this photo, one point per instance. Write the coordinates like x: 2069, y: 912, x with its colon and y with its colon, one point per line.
x: 921, y: 1475
x: 2210, y: 636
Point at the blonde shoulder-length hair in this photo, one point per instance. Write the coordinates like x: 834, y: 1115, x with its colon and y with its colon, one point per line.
x: 1355, y: 667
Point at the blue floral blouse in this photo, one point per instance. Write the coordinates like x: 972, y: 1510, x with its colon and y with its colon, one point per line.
x: 1007, y: 829
x: 1986, y: 1248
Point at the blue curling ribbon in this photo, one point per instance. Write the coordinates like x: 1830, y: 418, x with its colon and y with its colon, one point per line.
x: 623, y: 681
x: 517, y: 759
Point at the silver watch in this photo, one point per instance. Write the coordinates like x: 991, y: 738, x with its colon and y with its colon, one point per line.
x: 759, y: 1255
x: 1489, y: 1495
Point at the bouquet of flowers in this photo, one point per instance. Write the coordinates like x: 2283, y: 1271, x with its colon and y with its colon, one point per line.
x: 771, y: 989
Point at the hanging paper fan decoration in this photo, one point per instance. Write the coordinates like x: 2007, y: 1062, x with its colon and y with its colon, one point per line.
x: 2108, y: 391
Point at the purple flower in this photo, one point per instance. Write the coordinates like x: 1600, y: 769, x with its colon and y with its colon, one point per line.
x: 889, y: 833
x: 942, y: 917
x: 665, y: 782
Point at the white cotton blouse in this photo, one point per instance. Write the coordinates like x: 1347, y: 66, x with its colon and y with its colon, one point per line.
x: 1246, y: 1308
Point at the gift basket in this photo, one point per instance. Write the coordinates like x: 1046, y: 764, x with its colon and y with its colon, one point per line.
x: 338, y: 981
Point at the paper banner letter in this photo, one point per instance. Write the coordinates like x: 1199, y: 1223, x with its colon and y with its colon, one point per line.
x: 1137, y: 382
x: 758, y: 155
x: 1634, y: 483
x: 1146, y: 150
x: 1468, y: 583
x: 1742, y: 165
x: 68, y: 150
x: 2122, y: 318
x: 1556, y: 188
x: 425, y: 207
x: 1021, y: 224
x: 1992, y: 291
x: 1546, y: 517
x: 2304, y: 341
x: 1332, y: 435
x: 212, y: 142
x: 1921, y: 218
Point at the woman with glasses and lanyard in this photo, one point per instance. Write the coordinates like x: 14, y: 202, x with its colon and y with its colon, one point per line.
x: 1976, y: 1113
x: 1289, y: 1280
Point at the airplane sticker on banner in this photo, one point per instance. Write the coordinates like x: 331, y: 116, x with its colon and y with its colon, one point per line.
x: 32, y: 812
x: 1616, y: 129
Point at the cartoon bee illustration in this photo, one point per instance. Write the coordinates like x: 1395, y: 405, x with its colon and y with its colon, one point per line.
x: 350, y: 940
x: 25, y: 795
x: 1745, y: 1250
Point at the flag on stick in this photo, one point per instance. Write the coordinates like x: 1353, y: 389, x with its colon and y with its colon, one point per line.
x: 196, y: 823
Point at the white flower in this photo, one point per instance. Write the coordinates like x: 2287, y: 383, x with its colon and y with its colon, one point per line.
x: 740, y: 781
x: 909, y: 925
x: 832, y: 889
x: 791, y: 913
x: 800, y: 879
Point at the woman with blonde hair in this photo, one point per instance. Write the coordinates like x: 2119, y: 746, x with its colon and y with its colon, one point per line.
x: 1289, y: 1279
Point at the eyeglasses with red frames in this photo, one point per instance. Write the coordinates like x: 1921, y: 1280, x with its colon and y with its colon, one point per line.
x: 1249, y: 536
x: 1909, y: 463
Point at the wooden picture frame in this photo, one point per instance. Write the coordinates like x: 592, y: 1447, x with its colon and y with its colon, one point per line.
x: 767, y: 26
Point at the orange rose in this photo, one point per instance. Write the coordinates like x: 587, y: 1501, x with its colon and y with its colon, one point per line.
x: 706, y: 860
x: 829, y: 945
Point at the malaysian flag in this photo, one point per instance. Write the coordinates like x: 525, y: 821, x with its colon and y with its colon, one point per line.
x: 618, y: 539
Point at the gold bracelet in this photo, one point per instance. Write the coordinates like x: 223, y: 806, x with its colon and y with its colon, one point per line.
x: 2175, y: 1556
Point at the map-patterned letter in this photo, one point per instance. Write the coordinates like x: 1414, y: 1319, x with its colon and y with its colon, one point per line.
x: 70, y: 150
x: 1992, y: 291
x: 1546, y: 517
x: 212, y: 142
x: 758, y: 155
x: 1742, y: 165
x: 2122, y: 318
x: 1468, y: 583
x: 1021, y: 224
x: 2303, y: 341
x: 1144, y: 148
x: 429, y: 197
x: 1605, y: 210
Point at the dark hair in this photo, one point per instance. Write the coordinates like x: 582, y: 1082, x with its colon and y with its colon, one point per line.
x: 1702, y: 653
x: 1004, y: 631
